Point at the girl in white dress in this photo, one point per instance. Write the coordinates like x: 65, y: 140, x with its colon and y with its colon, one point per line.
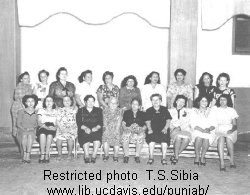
x: 227, y: 129
x: 204, y: 123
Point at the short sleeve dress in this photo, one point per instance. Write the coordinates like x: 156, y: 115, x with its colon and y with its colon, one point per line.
x: 41, y: 91
x: 90, y: 120
x: 224, y: 118
x: 126, y: 95
x: 135, y: 124
x: 107, y: 93
x: 181, y: 118
x: 227, y: 91
x: 174, y: 90
x: 203, y: 120
x: 206, y: 91
x: 66, y: 123
x: 111, y: 123
x: 158, y: 119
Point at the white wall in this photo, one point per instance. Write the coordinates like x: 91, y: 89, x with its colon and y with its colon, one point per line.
x: 214, y: 55
x: 127, y: 45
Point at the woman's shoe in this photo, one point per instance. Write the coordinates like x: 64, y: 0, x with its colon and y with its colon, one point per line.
x: 28, y: 158
x: 174, y: 161
x: 41, y: 159
x: 222, y: 168
x: 197, y: 162
x: 137, y: 159
x: 172, y: 158
x: 93, y: 159
x: 46, y: 160
x: 233, y: 166
x: 105, y: 158
x: 203, y: 163
x: 87, y: 160
x: 150, y: 161
x: 115, y: 159
x: 125, y: 159
x: 164, y: 161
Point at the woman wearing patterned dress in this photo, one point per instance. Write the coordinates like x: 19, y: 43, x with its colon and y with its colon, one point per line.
x: 179, y: 88
x: 205, y: 86
x: 128, y: 92
x: 158, y: 123
x: 134, y: 128
x: 47, y: 127
x: 152, y: 86
x: 23, y: 88
x: 227, y: 129
x: 181, y: 131
x: 112, y: 118
x: 67, y: 127
x: 61, y: 88
x: 89, y: 121
x: 203, y: 123
x: 222, y: 88
x: 108, y: 90
x: 41, y: 89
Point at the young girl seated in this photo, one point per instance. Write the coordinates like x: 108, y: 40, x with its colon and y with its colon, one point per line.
x: 27, y: 124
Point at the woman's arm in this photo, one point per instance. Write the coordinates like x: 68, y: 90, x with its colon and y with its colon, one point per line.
x: 150, y: 130
x: 20, y: 120
x: 100, y: 99
x: 196, y: 92
x: 234, y: 128
x: 78, y: 101
x: 165, y: 129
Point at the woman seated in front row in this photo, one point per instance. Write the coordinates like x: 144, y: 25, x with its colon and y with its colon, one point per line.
x: 158, y: 122
x: 133, y: 129
x: 203, y: 123
x: 181, y: 131
x: 89, y: 121
x: 227, y: 129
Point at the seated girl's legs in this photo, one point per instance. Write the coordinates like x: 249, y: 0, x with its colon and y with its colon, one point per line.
x: 197, y: 147
x: 70, y: 147
x: 164, y: 147
x: 177, y: 145
x: 24, y: 143
x: 42, y: 140
x: 96, y: 145
x: 221, y: 142
x: 205, y: 146
x: 230, y: 148
x: 184, y: 144
x: 86, y: 150
x: 59, y: 147
x: 138, y: 148
x: 29, y: 145
x: 48, y: 144
x: 125, y: 145
x: 116, y: 151
x: 106, y: 148
x: 151, y: 150
x: 19, y: 142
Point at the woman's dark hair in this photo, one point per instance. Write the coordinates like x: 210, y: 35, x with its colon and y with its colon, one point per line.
x: 125, y: 80
x: 222, y: 75
x: 26, y: 97
x: 71, y: 99
x: 147, y: 79
x: 107, y: 73
x: 229, y: 100
x: 198, y: 100
x: 181, y: 71
x: 201, y: 83
x: 180, y: 97
x: 83, y: 74
x: 86, y: 98
x: 42, y: 71
x: 44, y: 102
x: 136, y: 99
x: 156, y: 95
x: 20, y: 77
x: 59, y: 71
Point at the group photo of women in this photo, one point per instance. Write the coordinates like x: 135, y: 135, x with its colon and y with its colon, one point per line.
x: 115, y: 116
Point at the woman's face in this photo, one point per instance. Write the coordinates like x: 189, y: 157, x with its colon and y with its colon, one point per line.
x: 30, y: 102
x: 154, y: 78
x: 26, y: 79
x: 223, y: 82
x: 63, y: 75
x: 180, y: 103
x: 180, y: 77
x: 67, y: 102
x: 156, y: 102
x: 135, y: 105
x: 113, y: 103
x: 203, y: 103
x: 223, y: 102
x: 206, y: 80
x: 88, y: 78
x: 49, y: 102
x: 43, y: 77
x: 108, y: 79
x: 90, y: 103
x: 130, y: 83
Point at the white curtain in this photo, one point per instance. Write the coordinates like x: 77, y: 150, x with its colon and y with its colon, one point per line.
x: 34, y: 12
x: 215, y: 13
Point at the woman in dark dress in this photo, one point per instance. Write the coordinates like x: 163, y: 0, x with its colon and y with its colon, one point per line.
x: 61, y: 88
x: 158, y: 121
x: 134, y: 128
x: 205, y: 86
x: 89, y: 122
